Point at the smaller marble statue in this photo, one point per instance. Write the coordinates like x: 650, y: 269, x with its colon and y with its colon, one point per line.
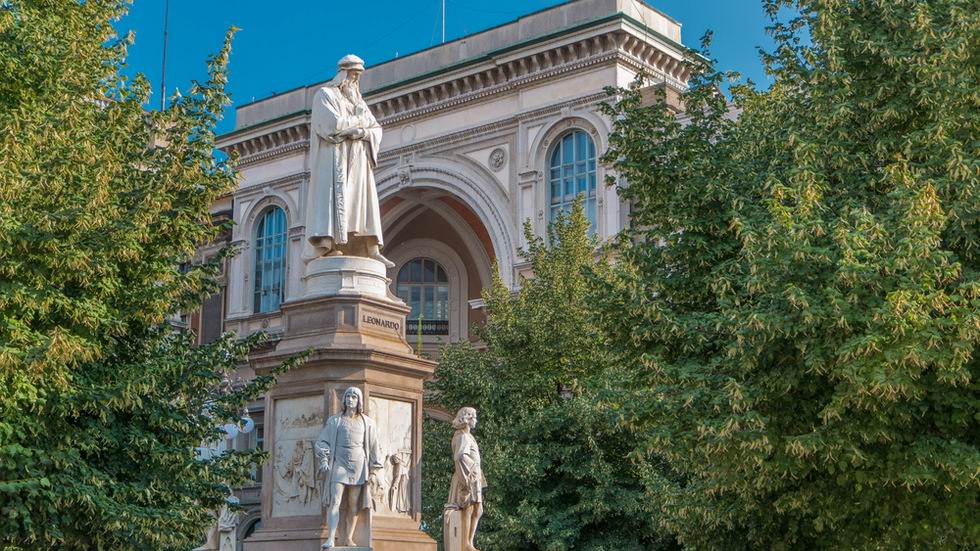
x: 466, y: 488
x: 224, y: 526
x: 398, y: 495
x: 350, y: 457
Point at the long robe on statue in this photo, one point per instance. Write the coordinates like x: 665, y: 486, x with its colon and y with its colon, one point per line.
x: 342, y: 198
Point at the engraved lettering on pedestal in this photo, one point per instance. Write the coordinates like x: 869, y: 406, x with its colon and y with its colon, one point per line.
x: 393, y: 490
x: 370, y: 319
x: 296, y: 489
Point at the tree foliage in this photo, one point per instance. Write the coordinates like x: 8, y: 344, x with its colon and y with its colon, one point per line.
x: 799, y: 296
x: 561, y: 471
x: 102, y: 404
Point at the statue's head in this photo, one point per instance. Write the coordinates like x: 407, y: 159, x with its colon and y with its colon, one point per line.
x: 465, y: 417
x: 350, y: 68
x: 353, y: 400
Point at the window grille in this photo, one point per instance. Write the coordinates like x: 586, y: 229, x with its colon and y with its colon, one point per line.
x: 423, y: 284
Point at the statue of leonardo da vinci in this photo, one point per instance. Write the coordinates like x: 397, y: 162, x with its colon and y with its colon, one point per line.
x: 343, y: 216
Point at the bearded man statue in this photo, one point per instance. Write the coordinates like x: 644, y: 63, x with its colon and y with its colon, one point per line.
x: 343, y: 216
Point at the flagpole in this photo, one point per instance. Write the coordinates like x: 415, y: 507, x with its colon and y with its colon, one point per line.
x: 163, y: 69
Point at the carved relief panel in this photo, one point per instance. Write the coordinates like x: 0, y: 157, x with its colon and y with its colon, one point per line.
x: 391, y: 492
x: 296, y: 489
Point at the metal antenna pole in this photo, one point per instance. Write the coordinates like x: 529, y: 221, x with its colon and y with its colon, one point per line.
x: 163, y: 69
x: 443, y: 21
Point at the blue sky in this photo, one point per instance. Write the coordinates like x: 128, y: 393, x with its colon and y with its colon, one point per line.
x: 283, y: 44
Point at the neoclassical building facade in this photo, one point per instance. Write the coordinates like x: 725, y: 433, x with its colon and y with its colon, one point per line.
x: 481, y: 134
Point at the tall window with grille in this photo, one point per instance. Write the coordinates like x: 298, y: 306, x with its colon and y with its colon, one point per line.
x: 422, y: 283
x: 270, y: 260
x: 573, y: 173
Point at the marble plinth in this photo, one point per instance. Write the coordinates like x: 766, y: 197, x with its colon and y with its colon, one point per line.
x: 346, y: 275
x: 452, y: 530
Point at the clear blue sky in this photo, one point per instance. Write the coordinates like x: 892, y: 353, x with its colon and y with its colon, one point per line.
x: 283, y: 44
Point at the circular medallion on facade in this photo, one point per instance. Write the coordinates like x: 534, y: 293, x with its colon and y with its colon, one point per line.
x: 408, y: 133
x: 497, y: 159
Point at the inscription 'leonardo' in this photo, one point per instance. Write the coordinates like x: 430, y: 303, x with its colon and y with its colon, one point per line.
x: 381, y: 322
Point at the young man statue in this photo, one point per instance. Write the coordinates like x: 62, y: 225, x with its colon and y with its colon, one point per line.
x: 349, y: 454
x: 466, y: 488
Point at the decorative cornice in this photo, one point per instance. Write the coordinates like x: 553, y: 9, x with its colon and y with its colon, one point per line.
x: 497, y: 77
x: 273, y: 144
x: 618, y: 45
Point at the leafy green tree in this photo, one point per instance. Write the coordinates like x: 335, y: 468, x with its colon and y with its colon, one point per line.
x: 561, y: 471
x: 102, y: 404
x: 799, y: 297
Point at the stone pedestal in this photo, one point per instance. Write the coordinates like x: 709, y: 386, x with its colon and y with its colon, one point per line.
x: 356, y: 333
x: 346, y: 275
x: 452, y: 530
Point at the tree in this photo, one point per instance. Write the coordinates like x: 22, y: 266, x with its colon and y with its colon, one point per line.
x: 562, y: 473
x: 102, y: 404
x: 799, y: 295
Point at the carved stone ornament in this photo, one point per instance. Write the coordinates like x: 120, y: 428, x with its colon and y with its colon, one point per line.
x: 294, y: 468
x: 391, y: 490
x: 497, y: 159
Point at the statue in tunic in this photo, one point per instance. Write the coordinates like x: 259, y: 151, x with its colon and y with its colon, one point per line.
x: 343, y: 215
x: 466, y: 488
x: 349, y: 455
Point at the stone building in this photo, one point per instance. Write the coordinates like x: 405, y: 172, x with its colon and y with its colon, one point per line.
x: 480, y: 135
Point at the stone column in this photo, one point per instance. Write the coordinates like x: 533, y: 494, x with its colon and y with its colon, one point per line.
x: 355, y: 328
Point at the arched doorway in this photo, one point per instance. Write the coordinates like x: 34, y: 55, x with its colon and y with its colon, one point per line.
x: 443, y: 257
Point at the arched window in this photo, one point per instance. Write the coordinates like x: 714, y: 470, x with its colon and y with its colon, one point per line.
x: 252, y: 528
x: 573, y: 173
x: 422, y: 283
x: 270, y: 260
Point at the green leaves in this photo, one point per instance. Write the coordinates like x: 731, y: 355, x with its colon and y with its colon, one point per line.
x: 102, y: 403
x: 562, y: 472
x: 793, y: 299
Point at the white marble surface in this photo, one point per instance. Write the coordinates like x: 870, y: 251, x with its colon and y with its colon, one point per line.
x: 346, y: 275
x: 394, y: 419
x: 296, y: 489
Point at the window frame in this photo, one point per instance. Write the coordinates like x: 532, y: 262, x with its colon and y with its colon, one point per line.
x: 567, y: 173
x: 422, y: 285
x: 258, y: 249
